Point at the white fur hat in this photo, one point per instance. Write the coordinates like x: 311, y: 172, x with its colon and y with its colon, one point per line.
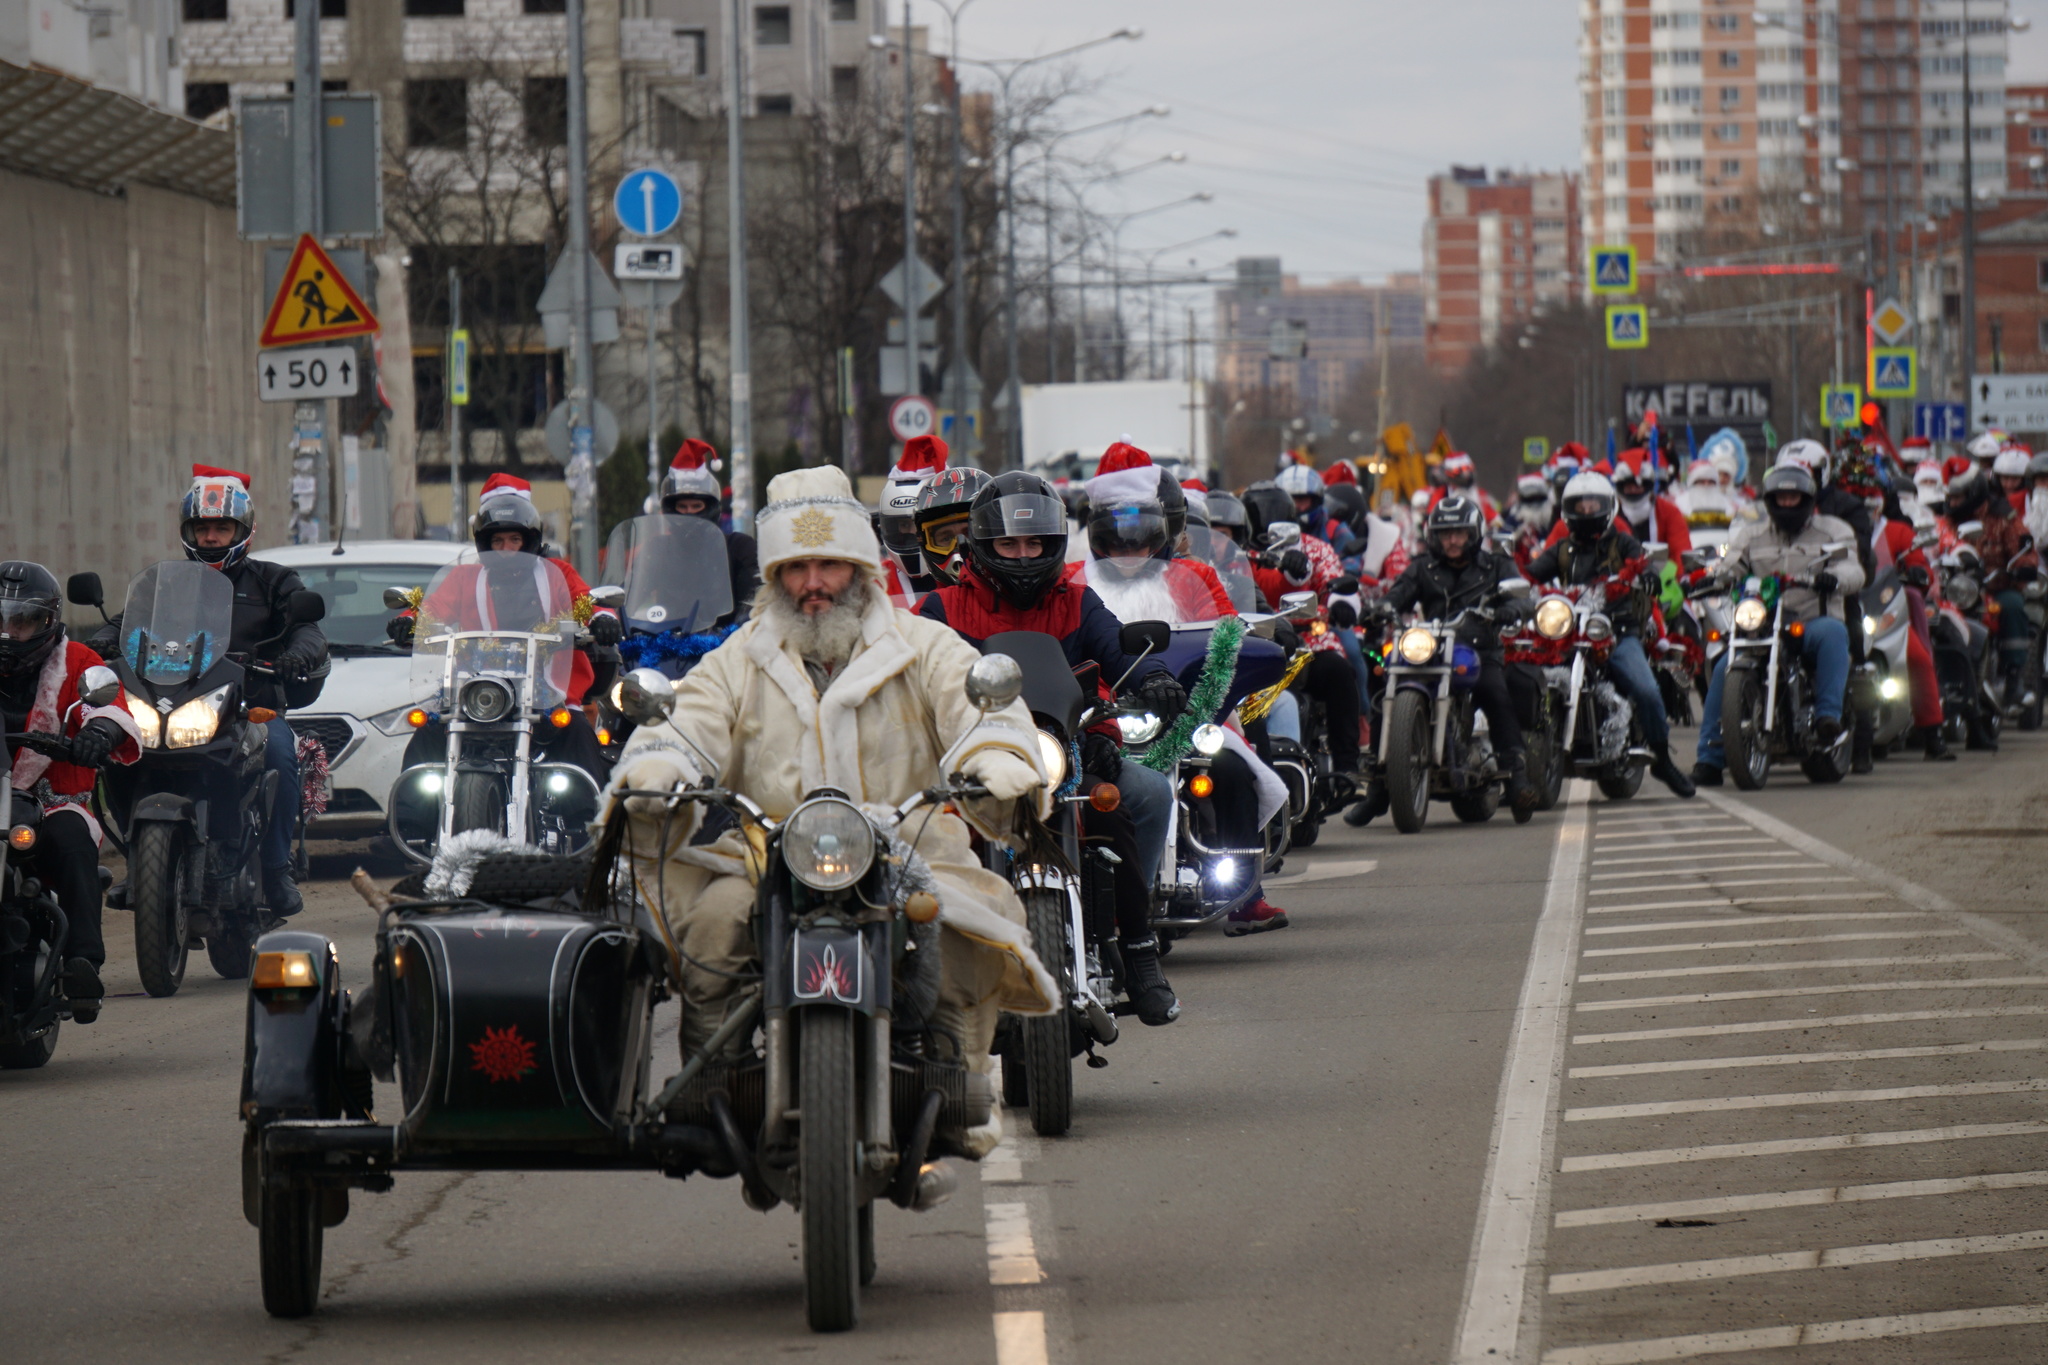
x: 812, y: 514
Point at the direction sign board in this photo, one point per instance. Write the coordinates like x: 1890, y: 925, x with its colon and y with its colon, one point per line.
x: 2009, y: 402
x: 458, y: 367
x: 913, y: 415
x: 648, y: 202
x: 1628, y: 327
x: 307, y: 372
x: 1535, y: 449
x: 1839, y: 405
x: 314, y: 302
x: 1890, y: 322
x: 351, y: 167
x: 1894, y: 372
x: 1941, y: 421
x: 1611, y: 269
x: 929, y: 285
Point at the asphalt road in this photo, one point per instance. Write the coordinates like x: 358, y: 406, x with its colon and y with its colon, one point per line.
x: 1319, y: 1162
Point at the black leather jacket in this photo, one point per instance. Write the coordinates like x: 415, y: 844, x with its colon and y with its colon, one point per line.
x: 1441, y: 589
x: 1574, y: 565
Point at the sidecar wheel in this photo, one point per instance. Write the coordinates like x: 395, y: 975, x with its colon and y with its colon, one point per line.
x: 289, y: 1237
x: 826, y: 1146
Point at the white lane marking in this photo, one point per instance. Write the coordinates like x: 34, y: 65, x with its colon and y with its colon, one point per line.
x: 1641, y: 844
x: 1833, y: 1142
x: 1801, y: 898
x: 1005, y: 1164
x: 1876, y: 1054
x: 1819, y: 964
x: 1012, y: 1255
x: 1961, y: 983
x: 1714, y: 883
x: 1811, y: 1022
x: 1812, y: 1258
x: 1743, y: 921
x: 1323, y: 872
x: 1020, y: 1339
x: 1800, y: 1334
x: 1722, y: 1103
x: 1735, y: 943
x: 1793, y: 1199
x: 1507, y: 1245
x: 1693, y: 858
x: 1707, y: 872
x: 2015, y: 944
x: 1609, y: 820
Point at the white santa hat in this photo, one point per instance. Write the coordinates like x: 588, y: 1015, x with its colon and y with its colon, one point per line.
x: 812, y: 514
x: 1126, y: 474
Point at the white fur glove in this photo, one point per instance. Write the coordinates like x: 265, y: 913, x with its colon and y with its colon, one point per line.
x: 652, y: 770
x: 1006, y: 776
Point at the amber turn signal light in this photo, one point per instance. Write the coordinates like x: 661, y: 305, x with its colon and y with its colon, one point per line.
x: 1202, y: 784
x: 559, y: 717
x: 416, y: 717
x: 1105, y: 796
x: 22, y: 838
x: 283, y: 972
x: 261, y: 715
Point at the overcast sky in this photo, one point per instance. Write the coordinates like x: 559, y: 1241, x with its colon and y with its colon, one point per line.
x: 1315, y: 122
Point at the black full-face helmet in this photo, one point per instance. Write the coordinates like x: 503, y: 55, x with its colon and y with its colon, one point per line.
x: 1227, y: 514
x: 1266, y: 505
x: 1016, y: 506
x: 31, y: 617
x: 1454, y: 512
x: 1789, y: 496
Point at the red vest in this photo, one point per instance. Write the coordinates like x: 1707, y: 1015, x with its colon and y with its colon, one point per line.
x: 976, y: 611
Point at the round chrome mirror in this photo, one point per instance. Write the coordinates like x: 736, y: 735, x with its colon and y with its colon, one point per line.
x: 645, y: 696
x: 994, y: 682
x: 99, y: 687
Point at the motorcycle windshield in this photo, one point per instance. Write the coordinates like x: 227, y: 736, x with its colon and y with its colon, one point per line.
x: 177, y: 622
x: 1227, y: 558
x: 1145, y: 589
x: 673, y: 570
x: 508, y: 615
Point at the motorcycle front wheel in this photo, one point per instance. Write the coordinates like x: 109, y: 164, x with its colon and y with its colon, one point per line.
x: 827, y: 1142
x: 479, y: 803
x: 1408, y: 760
x: 1747, y: 747
x: 156, y: 881
x: 1048, y: 1043
x: 1546, y: 766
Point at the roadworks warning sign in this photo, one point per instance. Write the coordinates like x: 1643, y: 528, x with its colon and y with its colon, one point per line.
x: 314, y: 302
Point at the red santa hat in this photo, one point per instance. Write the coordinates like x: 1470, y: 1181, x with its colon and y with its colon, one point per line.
x: 1457, y: 461
x: 696, y: 454
x: 1343, y: 471
x: 1126, y: 474
x: 207, y: 471
x: 1916, y: 443
x: 1194, y: 486
x: 922, y: 455
x: 508, y: 484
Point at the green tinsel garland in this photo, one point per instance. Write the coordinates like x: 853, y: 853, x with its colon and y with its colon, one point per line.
x: 1214, y: 684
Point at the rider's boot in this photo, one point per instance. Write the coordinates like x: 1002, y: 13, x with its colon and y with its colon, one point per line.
x: 1522, y: 794
x: 83, y: 989
x: 1672, y: 776
x: 1369, y: 807
x: 281, y: 892
x: 1706, y: 775
x: 1860, y: 757
x: 1154, y: 998
x: 1935, y: 745
x: 1255, y: 916
x: 1826, y: 730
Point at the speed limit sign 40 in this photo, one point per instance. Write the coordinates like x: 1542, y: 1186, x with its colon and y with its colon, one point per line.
x: 911, y: 416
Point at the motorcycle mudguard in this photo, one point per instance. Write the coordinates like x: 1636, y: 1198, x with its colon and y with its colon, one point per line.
x: 291, y: 1045
x: 166, y: 806
x: 832, y: 966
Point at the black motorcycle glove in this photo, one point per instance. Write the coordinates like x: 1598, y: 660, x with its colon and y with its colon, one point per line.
x: 1294, y: 566
x: 399, y: 628
x: 1343, y: 615
x: 1286, y: 636
x: 94, y: 741
x: 606, y: 630
x: 1914, y: 576
x: 1825, y: 582
x: 1163, y: 696
x: 1101, y: 757
x: 1345, y: 586
x: 299, y: 660
x: 48, y: 745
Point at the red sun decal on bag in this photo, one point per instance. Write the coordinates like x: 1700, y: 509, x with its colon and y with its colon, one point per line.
x: 502, y: 1055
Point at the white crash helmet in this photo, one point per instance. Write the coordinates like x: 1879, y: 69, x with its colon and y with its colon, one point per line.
x: 2010, y: 463
x: 1587, y: 523
x: 1984, y: 446
x: 1810, y: 456
x: 1299, y: 481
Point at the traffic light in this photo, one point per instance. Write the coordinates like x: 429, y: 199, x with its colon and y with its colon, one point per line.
x: 1871, y: 414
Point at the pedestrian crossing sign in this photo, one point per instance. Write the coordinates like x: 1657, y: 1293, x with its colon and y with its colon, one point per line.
x: 1840, y: 405
x: 1535, y: 449
x: 1628, y: 327
x: 1891, y: 372
x: 1612, y: 269
x: 314, y: 302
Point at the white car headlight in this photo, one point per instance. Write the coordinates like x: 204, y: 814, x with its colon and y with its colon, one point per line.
x: 1750, y: 613
x: 1054, y: 755
x: 1418, y: 646
x: 194, y: 723
x: 147, y: 718
x: 828, y: 844
x: 1140, y: 729
x: 1207, y: 739
x: 1553, y: 618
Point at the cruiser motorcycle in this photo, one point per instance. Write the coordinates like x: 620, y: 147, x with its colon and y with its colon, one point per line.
x: 1767, y: 698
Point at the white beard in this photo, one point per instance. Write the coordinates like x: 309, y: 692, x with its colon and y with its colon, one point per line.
x: 1637, y: 509
x: 827, y: 638
x: 2037, y: 515
x: 1143, y: 598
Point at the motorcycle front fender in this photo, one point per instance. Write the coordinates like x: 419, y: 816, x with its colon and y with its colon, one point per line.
x: 291, y: 1044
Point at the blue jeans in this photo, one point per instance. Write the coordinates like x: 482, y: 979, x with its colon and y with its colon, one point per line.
x: 1148, y: 800
x: 1630, y: 669
x: 1356, y: 653
x: 1284, y: 720
x: 1825, y: 647
x: 281, y: 756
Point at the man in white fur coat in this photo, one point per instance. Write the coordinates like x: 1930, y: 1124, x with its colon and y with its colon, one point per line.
x: 831, y: 686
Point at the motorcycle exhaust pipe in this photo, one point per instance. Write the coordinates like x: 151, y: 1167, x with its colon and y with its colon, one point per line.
x: 1101, y: 1027
x: 936, y: 1183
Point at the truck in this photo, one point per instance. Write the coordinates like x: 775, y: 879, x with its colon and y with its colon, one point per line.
x: 1068, y: 426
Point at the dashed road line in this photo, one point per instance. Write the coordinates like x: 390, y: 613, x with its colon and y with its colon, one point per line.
x: 1793, y: 1199
x: 1812, y: 1022
x: 1731, y: 944
x: 1817, y: 964
x: 1715, y: 1104
x: 1020, y: 1338
x: 1877, y: 1054
x: 1832, y: 1142
x: 1800, y: 1334
x: 1718, y: 997
x: 1777, y: 1262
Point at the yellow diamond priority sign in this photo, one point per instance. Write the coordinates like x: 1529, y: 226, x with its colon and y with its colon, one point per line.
x: 1890, y: 322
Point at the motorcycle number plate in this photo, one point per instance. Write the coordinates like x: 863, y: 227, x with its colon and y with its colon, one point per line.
x: 828, y: 965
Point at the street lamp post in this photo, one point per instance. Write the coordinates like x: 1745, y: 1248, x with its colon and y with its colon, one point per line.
x: 741, y: 442
x: 1116, y: 277
x: 1151, y: 294
x: 956, y: 367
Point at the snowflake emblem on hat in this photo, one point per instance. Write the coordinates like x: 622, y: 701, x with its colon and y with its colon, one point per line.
x: 811, y: 528
x: 502, y: 1055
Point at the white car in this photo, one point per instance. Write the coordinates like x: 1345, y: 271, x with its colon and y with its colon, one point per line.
x: 360, y: 716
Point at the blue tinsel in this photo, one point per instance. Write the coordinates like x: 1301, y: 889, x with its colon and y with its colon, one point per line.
x: 652, y: 651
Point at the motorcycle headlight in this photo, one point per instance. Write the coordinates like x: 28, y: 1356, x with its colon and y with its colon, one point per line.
x: 1750, y: 614
x: 1890, y: 690
x: 1418, y: 646
x: 399, y: 721
x: 1869, y: 627
x: 1207, y: 739
x: 195, y: 722
x: 147, y: 718
x: 1598, y: 627
x: 485, y: 700
x: 828, y: 844
x: 1140, y: 729
x: 1553, y: 618
x: 1054, y: 755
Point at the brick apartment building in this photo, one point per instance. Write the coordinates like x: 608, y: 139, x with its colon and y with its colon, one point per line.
x: 1263, y: 319
x: 1493, y: 251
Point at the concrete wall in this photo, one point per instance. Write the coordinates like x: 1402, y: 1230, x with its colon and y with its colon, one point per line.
x: 127, y: 352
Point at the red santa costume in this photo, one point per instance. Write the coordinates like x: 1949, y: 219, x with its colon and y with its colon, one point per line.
x: 903, y: 570
x: 57, y: 710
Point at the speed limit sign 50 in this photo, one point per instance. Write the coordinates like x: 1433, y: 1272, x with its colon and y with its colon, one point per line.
x: 911, y: 416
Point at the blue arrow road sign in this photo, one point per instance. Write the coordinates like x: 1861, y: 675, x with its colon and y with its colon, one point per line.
x: 648, y: 202
x: 1941, y: 421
